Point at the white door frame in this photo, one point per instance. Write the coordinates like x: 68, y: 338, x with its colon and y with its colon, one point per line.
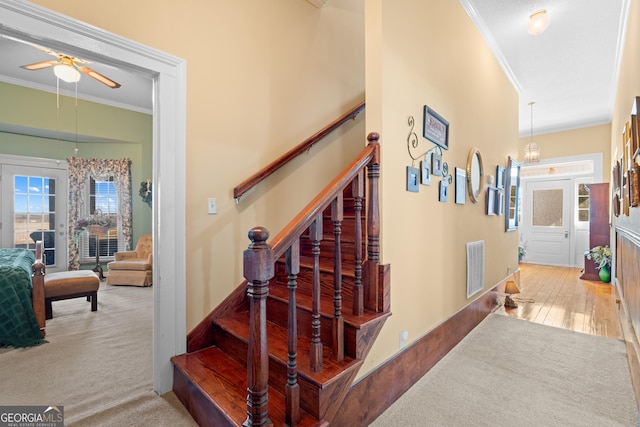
x: 595, y: 175
x: 34, y: 23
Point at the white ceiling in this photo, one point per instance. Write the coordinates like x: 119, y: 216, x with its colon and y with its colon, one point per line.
x: 134, y: 94
x: 570, y: 71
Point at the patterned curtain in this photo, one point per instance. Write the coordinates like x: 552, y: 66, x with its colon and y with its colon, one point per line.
x: 80, y: 170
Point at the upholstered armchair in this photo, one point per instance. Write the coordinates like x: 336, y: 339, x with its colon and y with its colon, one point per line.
x: 133, y: 267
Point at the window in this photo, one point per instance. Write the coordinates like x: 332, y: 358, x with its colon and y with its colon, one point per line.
x: 583, y: 203
x: 103, y: 199
x: 110, y: 190
x: 34, y: 213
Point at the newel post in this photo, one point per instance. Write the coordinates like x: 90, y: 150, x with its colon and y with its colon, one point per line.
x: 258, y: 269
x: 371, y: 289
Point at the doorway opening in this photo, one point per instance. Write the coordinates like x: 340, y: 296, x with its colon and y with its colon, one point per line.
x: 34, y: 23
x: 554, y: 229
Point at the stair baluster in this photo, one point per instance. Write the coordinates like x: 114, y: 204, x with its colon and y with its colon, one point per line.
x: 337, y: 216
x: 258, y: 269
x: 358, y: 194
x: 315, y: 235
x: 371, y: 291
x: 307, y: 394
x: 293, y: 389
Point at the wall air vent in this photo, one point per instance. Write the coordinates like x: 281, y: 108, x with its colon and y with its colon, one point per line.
x: 475, y: 267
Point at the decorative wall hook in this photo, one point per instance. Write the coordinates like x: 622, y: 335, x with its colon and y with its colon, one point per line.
x: 413, y: 143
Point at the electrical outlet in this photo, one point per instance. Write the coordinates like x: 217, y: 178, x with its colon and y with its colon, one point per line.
x: 404, y: 336
x: 212, y: 206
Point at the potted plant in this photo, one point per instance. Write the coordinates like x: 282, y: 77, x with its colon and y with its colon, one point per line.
x: 522, y: 251
x: 601, y: 255
x: 96, y: 223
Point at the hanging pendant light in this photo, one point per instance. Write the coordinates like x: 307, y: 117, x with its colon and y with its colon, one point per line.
x: 531, y: 150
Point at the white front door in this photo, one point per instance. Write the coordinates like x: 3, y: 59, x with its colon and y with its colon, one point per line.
x: 34, y: 207
x: 547, y: 229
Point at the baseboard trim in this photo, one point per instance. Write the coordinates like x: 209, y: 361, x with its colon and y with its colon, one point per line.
x: 373, y: 394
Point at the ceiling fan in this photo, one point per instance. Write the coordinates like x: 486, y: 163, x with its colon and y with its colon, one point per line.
x: 68, y: 68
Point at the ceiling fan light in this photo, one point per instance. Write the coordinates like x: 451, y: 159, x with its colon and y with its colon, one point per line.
x: 538, y: 22
x: 66, y: 73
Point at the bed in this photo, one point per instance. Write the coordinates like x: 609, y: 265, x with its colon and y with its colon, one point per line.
x: 22, y: 308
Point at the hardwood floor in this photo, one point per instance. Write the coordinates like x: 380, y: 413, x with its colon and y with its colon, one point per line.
x: 556, y: 296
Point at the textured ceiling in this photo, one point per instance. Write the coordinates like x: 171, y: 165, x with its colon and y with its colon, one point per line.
x: 570, y: 71
x: 134, y: 94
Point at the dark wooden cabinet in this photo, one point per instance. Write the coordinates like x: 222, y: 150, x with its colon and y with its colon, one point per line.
x: 598, y: 225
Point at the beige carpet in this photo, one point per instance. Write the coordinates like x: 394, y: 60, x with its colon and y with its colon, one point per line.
x: 510, y: 372
x: 98, y: 365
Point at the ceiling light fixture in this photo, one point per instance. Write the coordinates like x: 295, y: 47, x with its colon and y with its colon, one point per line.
x: 66, y: 71
x: 531, y: 150
x: 538, y: 22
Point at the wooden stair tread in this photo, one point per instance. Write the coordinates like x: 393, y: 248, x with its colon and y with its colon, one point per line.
x: 224, y: 380
x: 304, y: 299
x: 326, y: 266
x: 238, y: 325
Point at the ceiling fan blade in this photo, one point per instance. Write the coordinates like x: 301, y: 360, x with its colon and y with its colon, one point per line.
x: 40, y: 65
x: 99, y: 77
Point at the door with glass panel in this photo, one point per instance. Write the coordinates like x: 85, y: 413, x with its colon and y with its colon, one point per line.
x: 34, y: 207
x: 547, y: 222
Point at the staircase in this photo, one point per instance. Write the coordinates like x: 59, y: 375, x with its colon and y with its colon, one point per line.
x: 286, y: 345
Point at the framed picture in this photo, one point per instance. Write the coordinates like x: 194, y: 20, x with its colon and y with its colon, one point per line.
x: 500, y: 203
x: 616, y: 176
x: 425, y: 173
x: 443, y: 194
x: 500, y: 177
x: 461, y: 186
x: 492, y: 196
x: 435, y: 128
x: 436, y: 164
x: 412, y: 179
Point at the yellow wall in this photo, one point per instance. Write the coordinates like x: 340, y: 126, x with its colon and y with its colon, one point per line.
x: 589, y: 140
x: 32, y: 109
x: 429, y: 52
x: 261, y: 77
x: 628, y: 89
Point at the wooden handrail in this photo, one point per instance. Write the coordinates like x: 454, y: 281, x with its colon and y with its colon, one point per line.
x: 303, y: 220
x: 305, y: 145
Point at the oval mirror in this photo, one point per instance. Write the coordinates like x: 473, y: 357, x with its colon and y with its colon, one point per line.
x: 474, y: 174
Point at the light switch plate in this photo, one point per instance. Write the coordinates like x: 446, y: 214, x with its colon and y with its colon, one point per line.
x: 212, y: 206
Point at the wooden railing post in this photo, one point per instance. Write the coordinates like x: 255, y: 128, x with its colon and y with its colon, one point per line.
x: 293, y: 389
x: 337, y: 216
x: 315, y: 235
x: 373, y: 228
x: 258, y: 269
x: 37, y: 282
x: 358, y: 194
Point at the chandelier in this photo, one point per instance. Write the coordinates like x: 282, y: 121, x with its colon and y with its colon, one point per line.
x: 531, y: 150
